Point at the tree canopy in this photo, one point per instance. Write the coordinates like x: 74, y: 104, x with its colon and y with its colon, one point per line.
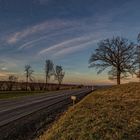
x: 117, y: 54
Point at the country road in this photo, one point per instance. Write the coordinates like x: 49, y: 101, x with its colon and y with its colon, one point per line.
x: 11, y: 110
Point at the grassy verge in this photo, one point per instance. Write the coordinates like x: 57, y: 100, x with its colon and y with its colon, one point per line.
x: 107, y: 114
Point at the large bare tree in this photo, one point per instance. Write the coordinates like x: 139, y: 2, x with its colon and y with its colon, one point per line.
x: 28, y: 72
x: 49, y: 70
x: 59, y: 74
x: 117, y: 54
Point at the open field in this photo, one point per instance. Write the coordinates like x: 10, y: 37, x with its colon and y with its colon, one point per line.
x: 106, y: 114
x: 17, y: 94
x: 18, y: 89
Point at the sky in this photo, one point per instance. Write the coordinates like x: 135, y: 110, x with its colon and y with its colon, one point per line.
x: 65, y: 31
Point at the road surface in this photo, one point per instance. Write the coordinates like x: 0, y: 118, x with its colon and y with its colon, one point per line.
x: 13, y: 109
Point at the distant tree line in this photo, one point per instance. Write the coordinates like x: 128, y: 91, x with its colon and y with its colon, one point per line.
x: 120, y: 56
x: 51, y: 70
x: 34, y: 86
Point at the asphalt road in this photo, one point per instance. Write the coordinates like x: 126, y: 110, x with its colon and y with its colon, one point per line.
x: 13, y: 109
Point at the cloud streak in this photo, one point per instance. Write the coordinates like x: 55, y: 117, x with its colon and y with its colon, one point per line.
x: 52, y: 25
x: 69, y: 46
x: 46, y: 37
x: 75, y: 49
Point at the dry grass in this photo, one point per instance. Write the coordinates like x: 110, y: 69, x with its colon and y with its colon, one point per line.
x: 107, y: 114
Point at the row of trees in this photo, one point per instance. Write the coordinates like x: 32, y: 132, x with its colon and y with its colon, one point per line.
x: 50, y: 70
x: 119, y: 56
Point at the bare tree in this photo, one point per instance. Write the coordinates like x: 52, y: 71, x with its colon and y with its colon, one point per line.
x: 11, y: 82
x: 28, y: 73
x: 49, y: 70
x: 116, y: 53
x: 22, y: 85
x: 113, y: 75
x: 1, y: 84
x: 32, y: 86
x: 41, y: 85
x: 138, y: 38
x: 59, y: 74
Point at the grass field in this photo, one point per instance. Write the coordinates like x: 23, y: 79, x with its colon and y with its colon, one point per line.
x: 17, y: 94
x: 106, y: 114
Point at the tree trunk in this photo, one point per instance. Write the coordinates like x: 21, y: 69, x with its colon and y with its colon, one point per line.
x: 118, y: 77
x: 26, y: 83
x: 59, y: 84
x: 46, y: 85
x: 139, y: 70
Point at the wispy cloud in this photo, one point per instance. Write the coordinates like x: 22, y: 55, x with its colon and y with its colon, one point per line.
x: 69, y: 46
x: 75, y: 49
x: 4, y: 68
x: 6, y: 64
x: 46, y: 37
x: 52, y: 25
x: 4, y: 74
x: 32, y: 43
x: 57, y: 46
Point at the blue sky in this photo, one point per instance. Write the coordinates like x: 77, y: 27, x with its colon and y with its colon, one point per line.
x: 66, y: 31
